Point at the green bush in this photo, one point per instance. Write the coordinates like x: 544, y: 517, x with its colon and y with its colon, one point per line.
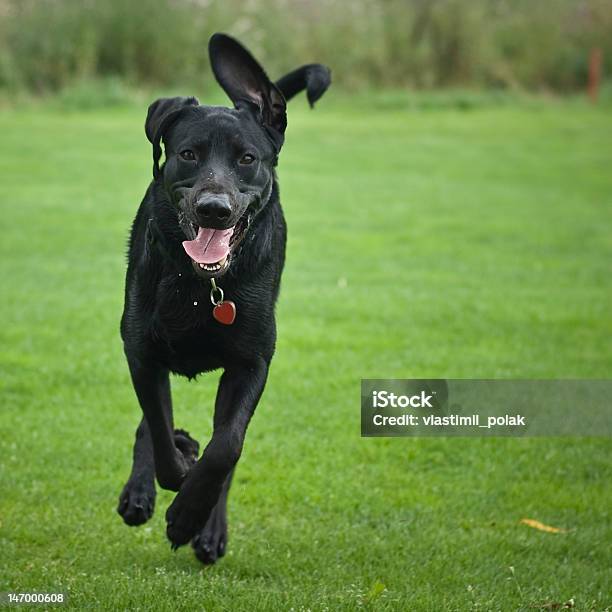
x: 46, y: 45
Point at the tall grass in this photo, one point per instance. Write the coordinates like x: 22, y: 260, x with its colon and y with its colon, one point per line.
x: 48, y: 44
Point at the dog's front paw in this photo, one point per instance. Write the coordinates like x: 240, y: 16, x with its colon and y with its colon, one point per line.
x: 137, y: 501
x: 183, y: 521
x: 190, y: 509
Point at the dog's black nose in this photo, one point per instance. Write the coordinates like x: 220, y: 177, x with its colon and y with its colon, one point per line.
x: 213, y: 209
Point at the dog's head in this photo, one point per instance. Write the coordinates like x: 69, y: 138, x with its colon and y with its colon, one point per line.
x: 219, y: 162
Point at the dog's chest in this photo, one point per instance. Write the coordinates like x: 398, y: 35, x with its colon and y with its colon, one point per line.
x: 193, y: 341
x: 183, y: 311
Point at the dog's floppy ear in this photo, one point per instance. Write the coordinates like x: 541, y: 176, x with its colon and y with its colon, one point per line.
x: 246, y: 84
x: 314, y: 78
x: 159, y: 117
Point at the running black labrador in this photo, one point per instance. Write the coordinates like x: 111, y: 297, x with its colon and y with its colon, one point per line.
x: 210, y: 229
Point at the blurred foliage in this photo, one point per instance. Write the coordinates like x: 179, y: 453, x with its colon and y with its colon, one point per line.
x: 46, y: 45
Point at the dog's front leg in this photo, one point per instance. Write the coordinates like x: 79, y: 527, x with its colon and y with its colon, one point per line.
x: 152, y: 385
x: 137, y: 499
x: 239, y: 391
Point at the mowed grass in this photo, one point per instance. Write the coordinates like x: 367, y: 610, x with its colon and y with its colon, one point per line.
x: 422, y: 243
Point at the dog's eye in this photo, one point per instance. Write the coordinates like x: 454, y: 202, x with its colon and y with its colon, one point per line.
x: 247, y: 159
x: 187, y: 155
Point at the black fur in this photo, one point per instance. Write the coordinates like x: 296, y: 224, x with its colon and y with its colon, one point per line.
x: 209, y: 180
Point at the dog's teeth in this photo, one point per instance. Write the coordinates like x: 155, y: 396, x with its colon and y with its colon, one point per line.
x: 210, y: 267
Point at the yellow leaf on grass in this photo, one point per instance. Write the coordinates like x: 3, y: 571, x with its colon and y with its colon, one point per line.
x: 541, y: 526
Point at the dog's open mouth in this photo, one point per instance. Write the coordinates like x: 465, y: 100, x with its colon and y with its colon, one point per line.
x: 211, y: 249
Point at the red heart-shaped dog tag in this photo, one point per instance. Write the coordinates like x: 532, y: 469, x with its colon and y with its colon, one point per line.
x: 225, y: 312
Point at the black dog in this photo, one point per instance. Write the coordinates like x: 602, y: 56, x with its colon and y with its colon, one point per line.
x: 211, y: 215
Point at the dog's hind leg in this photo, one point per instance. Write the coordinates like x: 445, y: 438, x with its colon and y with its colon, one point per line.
x: 210, y: 543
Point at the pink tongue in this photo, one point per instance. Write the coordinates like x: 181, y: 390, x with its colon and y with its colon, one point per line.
x: 209, y: 246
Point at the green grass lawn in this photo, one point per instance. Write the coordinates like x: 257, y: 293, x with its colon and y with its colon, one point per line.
x: 430, y: 242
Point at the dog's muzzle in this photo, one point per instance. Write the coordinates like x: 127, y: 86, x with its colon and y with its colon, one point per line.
x: 211, y: 249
